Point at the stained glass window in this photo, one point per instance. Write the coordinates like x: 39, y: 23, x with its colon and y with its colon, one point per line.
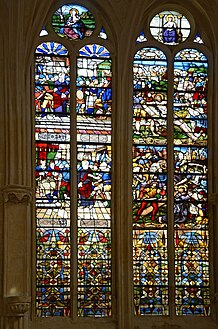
x: 73, y: 133
x: 73, y: 170
x: 93, y: 106
x: 167, y: 137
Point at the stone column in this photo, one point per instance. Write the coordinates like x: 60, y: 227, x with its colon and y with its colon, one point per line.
x: 20, y: 23
x: 16, y: 202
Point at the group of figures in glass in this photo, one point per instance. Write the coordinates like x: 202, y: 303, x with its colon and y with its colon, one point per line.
x: 55, y: 165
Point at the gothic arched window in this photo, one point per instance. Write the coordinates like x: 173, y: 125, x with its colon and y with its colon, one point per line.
x: 170, y: 170
x: 76, y: 213
x: 73, y: 103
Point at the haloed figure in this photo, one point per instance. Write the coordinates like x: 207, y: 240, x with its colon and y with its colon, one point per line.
x: 74, y: 27
x: 170, y: 34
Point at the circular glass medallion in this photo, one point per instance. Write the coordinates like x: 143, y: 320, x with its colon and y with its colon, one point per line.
x: 170, y: 27
x: 73, y: 22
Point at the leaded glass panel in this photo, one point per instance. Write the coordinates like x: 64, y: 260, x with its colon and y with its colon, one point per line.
x: 150, y: 260
x: 191, y: 183
x: 52, y: 134
x: 94, y: 160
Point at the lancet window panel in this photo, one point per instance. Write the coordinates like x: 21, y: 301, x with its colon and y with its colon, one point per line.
x: 53, y: 184
x: 191, y: 183
x: 94, y: 163
x: 150, y: 257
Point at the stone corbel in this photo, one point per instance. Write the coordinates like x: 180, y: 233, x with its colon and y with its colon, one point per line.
x: 18, y: 306
x: 17, y: 194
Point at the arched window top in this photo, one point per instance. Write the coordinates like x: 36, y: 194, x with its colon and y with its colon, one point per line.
x: 188, y: 24
x: 150, y: 53
x: 76, y: 26
x: 94, y: 51
x: 170, y: 153
x: 51, y: 48
x: 190, y: 55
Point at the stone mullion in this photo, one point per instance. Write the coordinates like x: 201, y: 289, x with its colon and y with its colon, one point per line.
x: 171, y: 231
x: 123, y: 164
x: 213, y: 188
